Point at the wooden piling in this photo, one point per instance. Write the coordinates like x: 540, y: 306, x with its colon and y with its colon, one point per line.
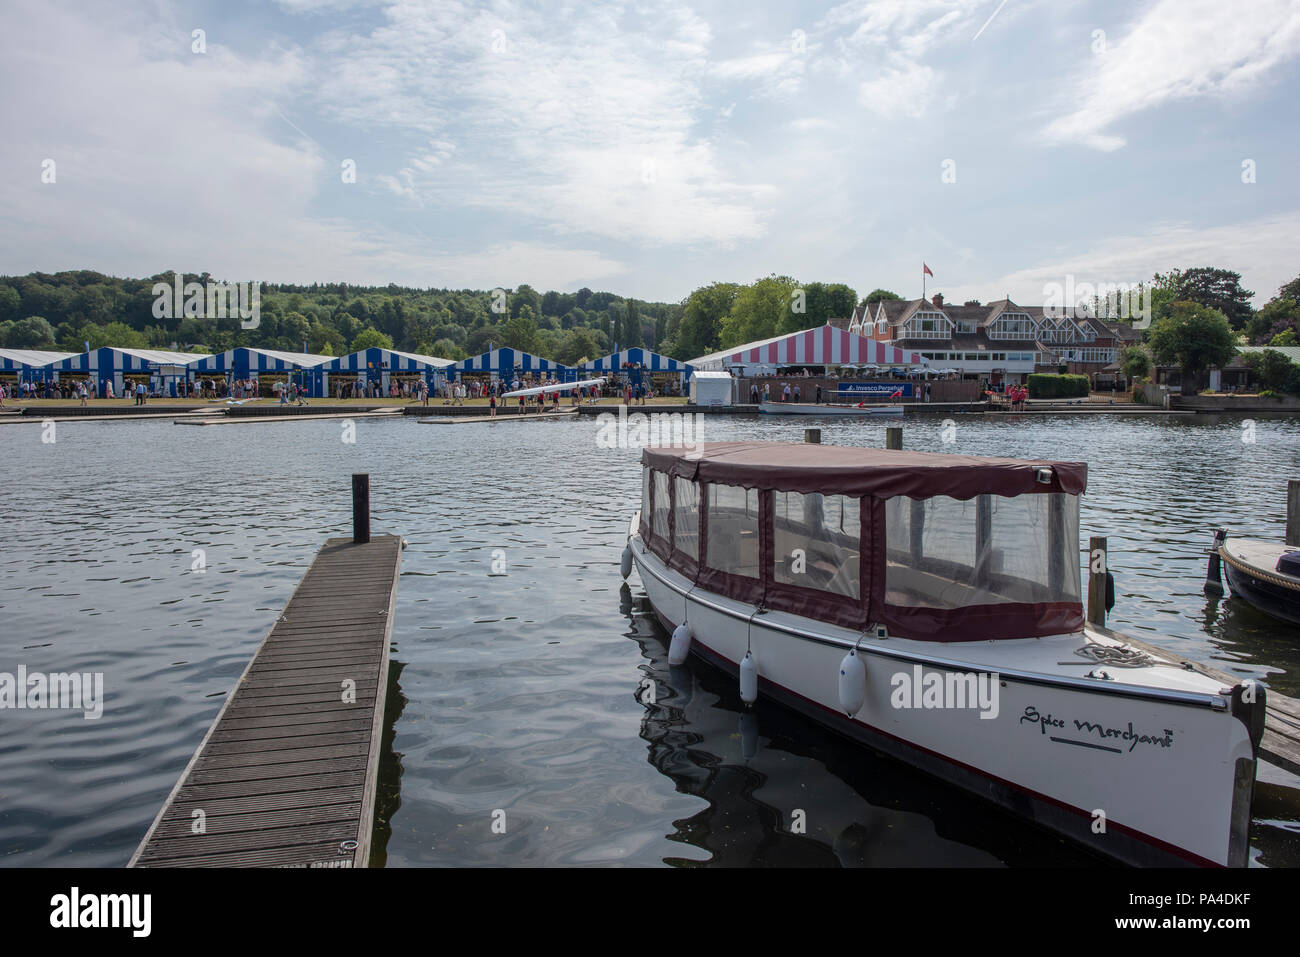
x: 894, y: 437
x: 1293, y: 512
x: 812, y: 435
x: 1097, y: 580
x: 360, y: 508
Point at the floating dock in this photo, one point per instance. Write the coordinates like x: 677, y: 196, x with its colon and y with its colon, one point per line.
x: 307, y: 416
x: 286, y: 775
x: 501, y: 416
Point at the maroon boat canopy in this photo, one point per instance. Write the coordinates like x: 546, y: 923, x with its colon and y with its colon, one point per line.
x: 842, y: 470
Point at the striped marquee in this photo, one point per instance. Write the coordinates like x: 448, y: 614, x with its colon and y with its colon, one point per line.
x: 30, y: 364
x: 825, y: 345
x: 651, y: 361
x: 243, y: 362
x: 386, y: 360
x: 505, y: 363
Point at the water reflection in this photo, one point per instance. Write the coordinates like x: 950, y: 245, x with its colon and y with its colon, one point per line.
x: 784, y: 792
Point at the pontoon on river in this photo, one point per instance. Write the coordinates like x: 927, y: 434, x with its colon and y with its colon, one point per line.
x: 929, y: 606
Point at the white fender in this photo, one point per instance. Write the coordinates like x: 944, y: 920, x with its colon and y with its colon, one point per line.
x: 853, y: 683
x: 680, y: 646
x: 626, y: 567
x: 749, y: 679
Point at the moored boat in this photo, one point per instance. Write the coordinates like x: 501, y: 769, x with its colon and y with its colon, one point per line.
x: 1264, y: 574
x: 829, y: 408
x: 929, y: 606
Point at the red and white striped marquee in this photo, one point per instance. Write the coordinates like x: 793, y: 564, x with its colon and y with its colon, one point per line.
x: 824, y: 345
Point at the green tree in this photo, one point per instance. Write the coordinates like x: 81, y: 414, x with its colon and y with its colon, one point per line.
x: 577, y: 344
x: 761, y: 310
x: 520, y: 332
x: 1213, y: 288
x: 1194, y: 338
x: 878, y: 294
x: 369, y: 339
x: 10, y: 303
x: 444, y: 349
x: 703, y: 310
x: 34, y: 332
x: 1135, y: 362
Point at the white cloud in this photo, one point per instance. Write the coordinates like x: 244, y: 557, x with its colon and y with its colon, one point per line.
x: 1179, y: 50
x: 906, y: 90
x: 580, y: 125
x: 1262, y: 250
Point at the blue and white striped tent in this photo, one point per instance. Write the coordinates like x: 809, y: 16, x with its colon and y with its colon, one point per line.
x: 110, y: 364
x: 638, y: 361
x: 30, y: 365
x: 244, y: 362
x: 505, y: 364
x: 378, y: 365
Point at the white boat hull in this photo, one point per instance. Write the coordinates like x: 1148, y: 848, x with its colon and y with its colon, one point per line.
x: 1149, y: 775
x: 807, y: 408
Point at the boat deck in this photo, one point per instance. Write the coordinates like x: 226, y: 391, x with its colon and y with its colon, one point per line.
x: 1258, y: 554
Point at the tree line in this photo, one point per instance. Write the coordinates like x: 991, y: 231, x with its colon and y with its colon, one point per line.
x: 65, y: 311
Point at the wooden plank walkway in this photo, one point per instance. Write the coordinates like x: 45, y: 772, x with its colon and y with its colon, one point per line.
x: 286, y: 775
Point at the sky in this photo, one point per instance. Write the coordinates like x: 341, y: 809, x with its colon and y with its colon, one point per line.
x: 651, y: 148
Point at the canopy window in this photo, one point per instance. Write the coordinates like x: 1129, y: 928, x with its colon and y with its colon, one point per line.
x: 733, y: 522
x: 660, y: 506
x: 946, y: 553
x: 817, y: 543
x: 686, y: 518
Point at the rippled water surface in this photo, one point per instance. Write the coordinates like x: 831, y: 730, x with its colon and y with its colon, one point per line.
x: 527, y: 691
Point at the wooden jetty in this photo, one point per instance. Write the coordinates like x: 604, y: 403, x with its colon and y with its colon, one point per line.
x: 286, y: 775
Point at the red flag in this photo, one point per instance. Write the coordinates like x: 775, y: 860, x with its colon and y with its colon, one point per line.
x: 897, y: 394
x: 927, y: 269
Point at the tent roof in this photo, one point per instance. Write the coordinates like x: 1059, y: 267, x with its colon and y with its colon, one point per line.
x: 33, y: 357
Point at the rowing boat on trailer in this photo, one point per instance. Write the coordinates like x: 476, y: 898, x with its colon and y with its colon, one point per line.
x: 929, y: 606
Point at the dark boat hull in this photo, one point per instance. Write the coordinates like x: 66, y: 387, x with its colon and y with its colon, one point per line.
x: 1272, y: 599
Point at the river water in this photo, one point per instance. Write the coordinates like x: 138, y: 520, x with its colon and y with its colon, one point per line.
x: 528, y: 691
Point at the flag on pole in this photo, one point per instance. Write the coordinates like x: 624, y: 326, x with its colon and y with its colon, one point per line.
x: 927, y: 269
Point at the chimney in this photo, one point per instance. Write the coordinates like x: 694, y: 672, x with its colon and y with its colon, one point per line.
x: 938, y: 300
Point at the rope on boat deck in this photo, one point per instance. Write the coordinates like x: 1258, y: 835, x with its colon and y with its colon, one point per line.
x: 1116, y: 657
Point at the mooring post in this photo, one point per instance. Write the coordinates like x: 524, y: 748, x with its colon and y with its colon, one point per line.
x: 813, y: 435
x: 360, y: 507
x: 1097, y: 570
x: 894, y: 437
x: 1293, y: 512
